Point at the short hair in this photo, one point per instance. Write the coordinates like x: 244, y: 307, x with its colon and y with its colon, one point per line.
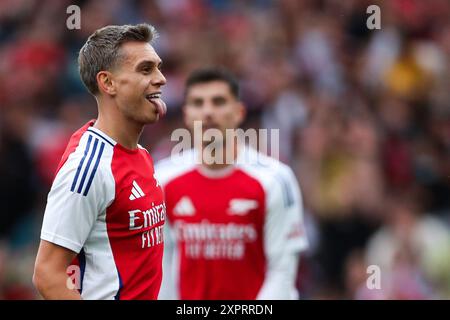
x: 102, y: 50
x: 213, y: 74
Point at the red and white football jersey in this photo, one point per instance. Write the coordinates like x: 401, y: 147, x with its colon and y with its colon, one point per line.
x: 223, y: 226
x: 106, y: 205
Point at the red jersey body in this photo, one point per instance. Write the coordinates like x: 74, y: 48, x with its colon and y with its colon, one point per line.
x: 219, y: 224
x: 106, y: 205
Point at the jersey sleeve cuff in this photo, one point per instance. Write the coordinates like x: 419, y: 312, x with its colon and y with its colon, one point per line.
x: 61, y: 241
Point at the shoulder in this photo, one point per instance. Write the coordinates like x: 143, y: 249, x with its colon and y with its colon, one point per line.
x: 265, y: 168
x: 88, y: 163
x: 270, y: 172
x: 174, y: 166
x: 142, y: 149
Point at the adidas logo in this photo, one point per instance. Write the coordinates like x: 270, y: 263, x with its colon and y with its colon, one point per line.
x: 136, y: 191
x: 241, y: 207
x: 184, y: 207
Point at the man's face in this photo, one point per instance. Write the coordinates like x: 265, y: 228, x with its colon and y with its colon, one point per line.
x: 214, y: 105
x: 136, y: 79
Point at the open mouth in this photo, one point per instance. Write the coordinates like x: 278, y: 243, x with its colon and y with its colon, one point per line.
x: 155, y: 99
x: 153, y: 96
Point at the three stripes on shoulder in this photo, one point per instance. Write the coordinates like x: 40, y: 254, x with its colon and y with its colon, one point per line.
x: 91, y: 159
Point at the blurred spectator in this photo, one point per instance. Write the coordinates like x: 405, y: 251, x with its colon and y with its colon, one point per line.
x: 411, y: 244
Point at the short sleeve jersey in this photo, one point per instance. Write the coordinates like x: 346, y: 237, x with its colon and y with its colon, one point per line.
x: 224, y: 225
x: 106, y: 205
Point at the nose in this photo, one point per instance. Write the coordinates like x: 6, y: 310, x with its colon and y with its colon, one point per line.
x: 207, y: 111
x: 159, y: 79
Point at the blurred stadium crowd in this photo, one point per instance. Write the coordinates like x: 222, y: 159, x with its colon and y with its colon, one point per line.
x: 364, y: 119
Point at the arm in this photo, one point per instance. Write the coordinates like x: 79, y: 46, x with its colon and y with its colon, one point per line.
x: 72, y: 209
x: 50, y: 272
x: 165, y: 170
x: 169, y: 283
x: 284, y: 238
x: 280, y: 278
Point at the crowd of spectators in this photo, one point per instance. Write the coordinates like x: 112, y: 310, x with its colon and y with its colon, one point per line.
x: 364, y: 120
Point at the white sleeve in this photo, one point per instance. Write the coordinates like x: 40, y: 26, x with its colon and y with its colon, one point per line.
x: 279, y: 283
x: 79, y: 193
x: 169, y: 283
x: 165, y: 170
x: 284, y: 237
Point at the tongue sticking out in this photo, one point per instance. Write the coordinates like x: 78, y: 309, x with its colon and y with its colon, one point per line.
x: 160, y: 106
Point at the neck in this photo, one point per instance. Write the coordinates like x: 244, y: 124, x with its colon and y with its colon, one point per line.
x: 221, y: 156
x: 122, y: 130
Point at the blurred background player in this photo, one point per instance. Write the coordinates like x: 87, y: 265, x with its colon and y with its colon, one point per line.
x: 235, y: 216
x: 98, y: 208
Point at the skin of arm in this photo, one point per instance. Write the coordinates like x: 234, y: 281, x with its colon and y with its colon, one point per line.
x: 50, y: 272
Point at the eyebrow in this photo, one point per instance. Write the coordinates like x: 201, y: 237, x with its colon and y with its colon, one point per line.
x: 214, y: 98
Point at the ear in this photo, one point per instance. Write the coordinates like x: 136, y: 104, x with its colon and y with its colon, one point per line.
x: 106, y: 83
